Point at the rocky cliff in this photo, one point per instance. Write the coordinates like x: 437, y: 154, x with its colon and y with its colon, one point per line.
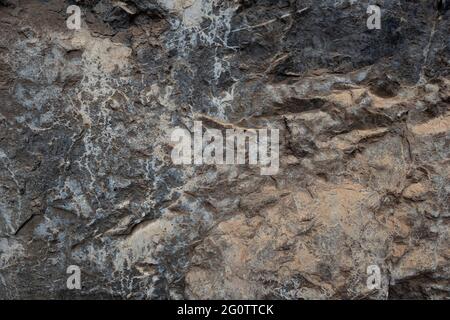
x: 87, y: 179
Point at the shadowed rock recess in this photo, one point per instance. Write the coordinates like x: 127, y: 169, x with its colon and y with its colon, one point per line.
x: 87, y: 179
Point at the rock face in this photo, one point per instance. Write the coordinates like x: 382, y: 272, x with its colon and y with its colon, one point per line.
x: 87, y: 179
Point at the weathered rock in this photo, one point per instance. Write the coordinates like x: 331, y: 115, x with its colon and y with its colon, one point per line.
x: 86, y: 176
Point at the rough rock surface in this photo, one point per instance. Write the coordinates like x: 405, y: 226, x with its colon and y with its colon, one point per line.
x: 86, y: 176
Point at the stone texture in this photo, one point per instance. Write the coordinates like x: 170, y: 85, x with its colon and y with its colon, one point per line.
x: 86, y: 176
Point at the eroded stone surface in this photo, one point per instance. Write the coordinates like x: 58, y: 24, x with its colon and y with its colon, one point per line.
x: 86, y: 176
